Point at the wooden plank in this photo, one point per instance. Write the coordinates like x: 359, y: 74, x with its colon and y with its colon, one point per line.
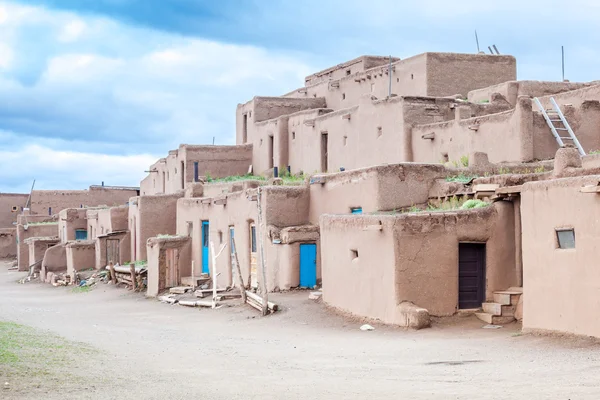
x: 180, y: 289
x: 509, y: 190
x: 195, y: 303
x: 590, y: 189
x: 259, y: 300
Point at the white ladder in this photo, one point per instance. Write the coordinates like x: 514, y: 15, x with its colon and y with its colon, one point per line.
x: 554, y: 115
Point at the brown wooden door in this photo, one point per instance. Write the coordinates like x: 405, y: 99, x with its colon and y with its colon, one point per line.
x: 172, y: 275
x: 112, y: 251
x: 471, y: 275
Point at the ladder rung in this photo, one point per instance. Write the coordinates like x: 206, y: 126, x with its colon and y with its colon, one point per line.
x: 566, y: 137
x: 561, y: 129
x: 556, y: 120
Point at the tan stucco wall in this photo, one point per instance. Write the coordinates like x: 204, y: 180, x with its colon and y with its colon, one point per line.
x: 513, y: 89
x: 8, y: 242
x: 55, y: 259
x: 7, y: 202
x: 413, y: 258
x: 150, y: 216
x: 80, y: 256
x: 561, y: 286
x: 57, y: 200
x: 70, y: 220
x: 31, y: 231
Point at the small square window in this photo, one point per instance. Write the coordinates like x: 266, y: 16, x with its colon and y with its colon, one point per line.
x: 293, y: 135
x: 343, y: 96
x: 379, y: 131
x: 565, y: 238
x: 354, y: 253
x: 348, y: 72
x: 345, y: 140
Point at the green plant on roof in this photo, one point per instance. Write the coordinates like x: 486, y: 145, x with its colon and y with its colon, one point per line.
x: 464, y: 160
x: 540, y: 169
x: 473, y: 203
x: 461, y: 178
x: 594, y: 152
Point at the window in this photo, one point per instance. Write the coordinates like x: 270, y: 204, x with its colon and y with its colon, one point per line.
x: 293, y: 135
x: 253, y: 238
x: 190, y: 228
x: 354, y: 254
x: 15, y: 209
x: 348, y: 72
x: 345, y: 140
x: 565, y: 238
x: 49, y: 210
x: 80, y: 234
x: 205, y: 235
x: 379, y: 131
x: 343, y: 96
x: 356, y: 210
x: 397, y: 79
x: 220, y: 237
x: 412, y: 76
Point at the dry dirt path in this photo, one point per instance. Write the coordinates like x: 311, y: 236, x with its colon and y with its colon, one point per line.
x: 142, y: 349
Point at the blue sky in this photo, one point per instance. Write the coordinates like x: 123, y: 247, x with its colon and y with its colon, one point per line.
x: 97, y: 90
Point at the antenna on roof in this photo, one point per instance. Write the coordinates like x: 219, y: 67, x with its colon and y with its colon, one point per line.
x: 562, y: 48
x: 490, y: 49
x: 477, y: 41
x: 496, y: 49
x: 213, y: 140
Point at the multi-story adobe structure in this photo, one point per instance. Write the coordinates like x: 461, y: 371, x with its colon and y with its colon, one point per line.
x: 389, y: 175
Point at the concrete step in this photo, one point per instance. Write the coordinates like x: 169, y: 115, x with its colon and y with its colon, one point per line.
x: 498, y: 309
x: 507, y: 298
x: 494, y: 319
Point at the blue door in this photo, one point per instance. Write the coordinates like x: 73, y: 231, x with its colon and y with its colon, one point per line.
x: 205, y: 269
x: 308, y: 265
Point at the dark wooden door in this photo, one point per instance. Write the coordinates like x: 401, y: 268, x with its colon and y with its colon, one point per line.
x: 112, y: 251
x: 471, y: 275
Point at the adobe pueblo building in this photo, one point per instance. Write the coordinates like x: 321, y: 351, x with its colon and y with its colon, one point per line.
x: 405, y: 189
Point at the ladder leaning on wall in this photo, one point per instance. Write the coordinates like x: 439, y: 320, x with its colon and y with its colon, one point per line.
x: 554, y: 116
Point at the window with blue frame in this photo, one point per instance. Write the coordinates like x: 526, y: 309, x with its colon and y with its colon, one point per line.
x: 80, y: 234
x: 356, y: 210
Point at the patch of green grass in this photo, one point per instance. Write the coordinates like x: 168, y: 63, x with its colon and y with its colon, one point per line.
x: 540, y: 169
x: 594, y: 152
x: 473, y: 203
x: 461, y: 178
x: 81, y: 289
x: 464, y: 160
x: 235, y: 178
x: 517, y: 334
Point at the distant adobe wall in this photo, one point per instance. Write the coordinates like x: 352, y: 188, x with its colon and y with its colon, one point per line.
x: 505, y: 137
x: 150, y: 216
x: 147, y: 185
x: 513, y: 89
x: 561, y: 285
x: 451, y: 73
x: 47, y: 202
x: 28, y: 231
x: 11, y: 205
x: 112, y: 219
x: 55, y: 260
x: 347, y: 68
x: 216, y: 161
x: 8, y: 242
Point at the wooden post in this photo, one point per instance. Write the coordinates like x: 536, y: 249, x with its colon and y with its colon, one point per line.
x: 238, y: 269
x: 265, y: 299
x: 132, y: 271
x: 113, y: 274
x: 214, y: 271
x: 193, y: 278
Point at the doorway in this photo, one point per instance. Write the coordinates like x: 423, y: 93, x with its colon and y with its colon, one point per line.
x: 324, y: 153
x: 172, y: 272
x: 112, y: 251
x: 205, y: 268
x: 271, y: 146
x: 232, y: 250
x: 471, y: 275
x: 253, y: 257
x: 308, y: 265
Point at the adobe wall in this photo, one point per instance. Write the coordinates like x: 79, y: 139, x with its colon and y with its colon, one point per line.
x: 8, y: 242
x: 124, y: 239
x: 216, y: 161
x: 347, y: 68
x: 24, y: 219
x: 266, y: 108
x: 38, y: 247
x: 112, y: 219
x: 374, y: 263
x: 561, y: 285
x: 513, y: 89
x: 381, y: 188
x: 46, y: 202
x: 70, y: 220
x: 505, y: 137
x: 157, y: 262
x: 150, y: 216
x: 55, y: 260
x: 33, y: 230
x: 80, y: 256
x: 451, y: 73
x: 7, y: 202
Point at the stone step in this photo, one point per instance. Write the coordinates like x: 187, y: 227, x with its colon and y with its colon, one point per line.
x: 189, y: 281
x: 498, y: 309
x: 507, y: 298
x: 494, y: 319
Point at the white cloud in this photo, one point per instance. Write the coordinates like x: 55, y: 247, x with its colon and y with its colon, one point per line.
x: 72, y: 31
x: 128, y: 89
x: 6, y: 56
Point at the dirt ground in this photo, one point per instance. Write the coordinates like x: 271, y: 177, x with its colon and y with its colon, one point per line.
x: 124, y: 346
